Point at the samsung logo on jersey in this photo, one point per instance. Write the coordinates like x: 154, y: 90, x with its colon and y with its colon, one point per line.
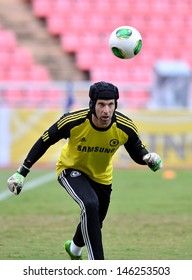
x: 95, y: 149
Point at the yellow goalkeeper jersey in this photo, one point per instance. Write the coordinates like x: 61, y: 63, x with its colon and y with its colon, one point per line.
x: 90, y: 149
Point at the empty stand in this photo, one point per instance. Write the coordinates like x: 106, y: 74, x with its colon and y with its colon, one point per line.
x: 83, y: 28
x: 17, y: 65
x: 88, y: 21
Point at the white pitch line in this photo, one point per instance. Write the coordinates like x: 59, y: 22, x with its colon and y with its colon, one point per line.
x: 31, y: 185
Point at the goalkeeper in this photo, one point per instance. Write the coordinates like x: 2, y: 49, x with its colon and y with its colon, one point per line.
x: 84, y: 168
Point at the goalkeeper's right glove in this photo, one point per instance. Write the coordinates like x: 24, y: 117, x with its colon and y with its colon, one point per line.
x: 16, y: 181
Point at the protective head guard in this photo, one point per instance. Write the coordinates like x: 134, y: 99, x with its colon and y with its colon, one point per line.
x: 102, y: 90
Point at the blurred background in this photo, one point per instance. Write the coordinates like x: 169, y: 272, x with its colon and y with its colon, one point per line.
x: 52, y: 50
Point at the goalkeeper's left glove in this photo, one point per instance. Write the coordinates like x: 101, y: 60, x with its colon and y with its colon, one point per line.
x: 153, y: 160
x: 16, y: 181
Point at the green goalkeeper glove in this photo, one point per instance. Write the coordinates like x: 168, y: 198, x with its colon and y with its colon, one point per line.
x: 153, y: 160
x: 16, y: 181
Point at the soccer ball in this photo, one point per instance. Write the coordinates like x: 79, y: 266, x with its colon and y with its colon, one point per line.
x: 125, y: 42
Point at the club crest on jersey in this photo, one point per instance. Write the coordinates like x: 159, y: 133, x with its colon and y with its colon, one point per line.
x: 114, y: 142
x: 75, y: 173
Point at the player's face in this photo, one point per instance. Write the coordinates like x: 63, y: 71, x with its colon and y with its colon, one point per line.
x: 104, y: 110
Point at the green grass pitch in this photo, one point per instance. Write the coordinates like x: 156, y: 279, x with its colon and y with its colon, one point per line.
x: 150, y: 217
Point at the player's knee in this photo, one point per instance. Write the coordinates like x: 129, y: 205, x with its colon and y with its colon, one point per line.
x: 92, y: 206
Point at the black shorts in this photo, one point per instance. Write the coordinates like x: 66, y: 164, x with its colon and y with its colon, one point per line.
x: 81, y: 188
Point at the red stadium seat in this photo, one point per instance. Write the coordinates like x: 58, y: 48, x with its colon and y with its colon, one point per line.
x: 99, y: 23
x: 84, y: 60
x: 22, y: 58
x: 38, y: 73
x: 16, y: 74
x: 55, y: 24
x: 7, y: 40
x: 5, y: 59
x: 70, y: 42
x: 63, y: 7
x: 42, y: 8
x: 84, y: 7
x: 3, y: 75
x: 104, y: 7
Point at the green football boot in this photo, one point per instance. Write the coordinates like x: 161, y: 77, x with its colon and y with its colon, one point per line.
x: 67, y: 248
